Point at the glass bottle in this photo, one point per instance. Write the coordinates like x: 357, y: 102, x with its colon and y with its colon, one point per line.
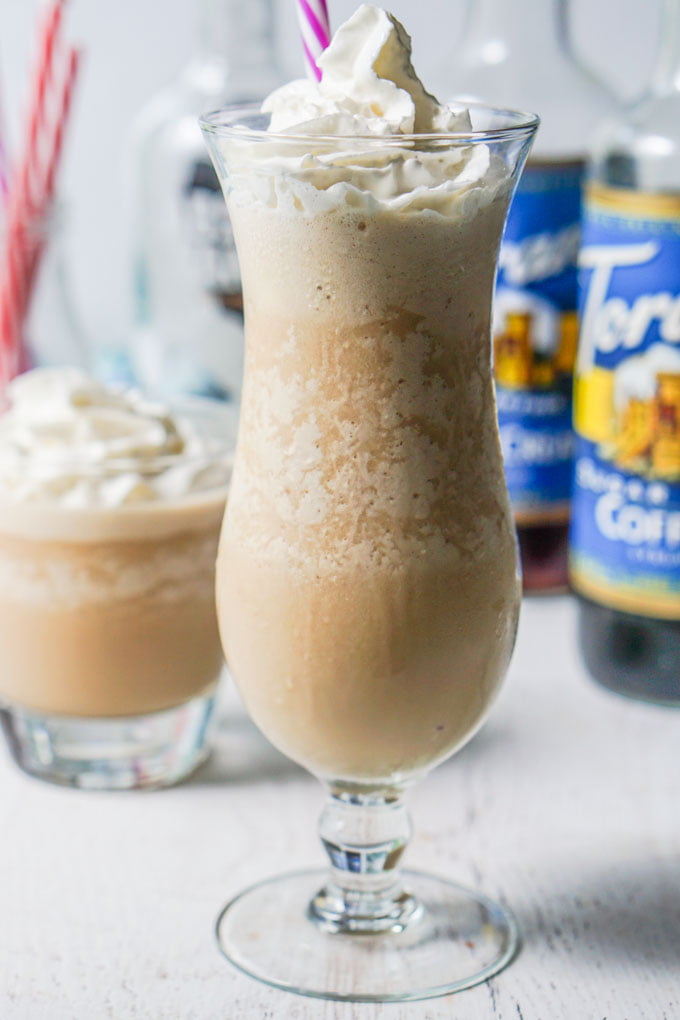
x: 625, y: 540
x: 188, y: 312
x: 518, y: 52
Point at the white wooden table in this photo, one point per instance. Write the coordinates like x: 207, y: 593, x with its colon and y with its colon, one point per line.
x: 566, y: 806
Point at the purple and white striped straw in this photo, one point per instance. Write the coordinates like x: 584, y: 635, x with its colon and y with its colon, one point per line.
x: 316, y: 33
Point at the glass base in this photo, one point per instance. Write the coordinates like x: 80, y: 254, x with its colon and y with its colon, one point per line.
x: 455, y: 939
x: 124, y: 753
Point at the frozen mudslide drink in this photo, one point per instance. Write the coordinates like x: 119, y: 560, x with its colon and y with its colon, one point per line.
x: 368, y: 502
x: 110, y: 512
x: 367, y: 582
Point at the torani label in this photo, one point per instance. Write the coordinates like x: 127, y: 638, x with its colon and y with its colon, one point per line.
x: 535, y: 339
x: 625, y: 539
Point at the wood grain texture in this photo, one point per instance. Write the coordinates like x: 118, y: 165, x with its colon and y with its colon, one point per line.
x: 565, y: 806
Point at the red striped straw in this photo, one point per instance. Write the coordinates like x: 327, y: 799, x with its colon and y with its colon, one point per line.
x: 316, y: 33
x: 11, y: 292
x: 41, y: 83
x: 4, y: 164
x: 23, y: 199
x: 48, y: 184
x: 33, y: 186
x: 64, y: 101
x: 52, y: 160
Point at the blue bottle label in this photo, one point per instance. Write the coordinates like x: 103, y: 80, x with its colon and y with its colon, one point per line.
x: 535, y: 339
x: 625, y: 537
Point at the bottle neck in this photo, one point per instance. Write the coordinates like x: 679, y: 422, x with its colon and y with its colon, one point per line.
x: 666, y: 77
x: 503, y: 25
x: 237, y: 37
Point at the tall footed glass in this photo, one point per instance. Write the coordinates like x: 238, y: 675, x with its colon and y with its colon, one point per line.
x: 368, y: 588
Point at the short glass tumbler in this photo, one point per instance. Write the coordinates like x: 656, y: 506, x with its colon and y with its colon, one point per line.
x: 108, y: 628
x: 367, y: 577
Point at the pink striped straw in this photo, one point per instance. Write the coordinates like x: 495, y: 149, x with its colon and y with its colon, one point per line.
x: 4, y: 175
x: 4, y: 162
x: 43, y: 84
x: 33, y: 185
x: 53, y: 157
x: 316, y: 33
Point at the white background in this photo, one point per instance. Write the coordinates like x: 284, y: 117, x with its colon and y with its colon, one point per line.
x: 133, y: 47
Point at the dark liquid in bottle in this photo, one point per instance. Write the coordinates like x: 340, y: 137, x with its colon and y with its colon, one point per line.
x: 231, y: 301
x: 543, y: 554
x: 633, y: 655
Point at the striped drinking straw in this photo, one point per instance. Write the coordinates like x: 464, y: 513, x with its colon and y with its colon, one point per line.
x: 316, y: 33
x: 4, y: 169
x: 41, y: 91
x: 32, y: 186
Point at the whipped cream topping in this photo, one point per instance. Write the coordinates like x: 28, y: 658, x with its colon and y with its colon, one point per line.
x: 368, y: 87
x: 344, y: 147
x: 70, y: 440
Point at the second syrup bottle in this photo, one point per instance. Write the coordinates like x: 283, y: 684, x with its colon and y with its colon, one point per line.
x: 517, y: 53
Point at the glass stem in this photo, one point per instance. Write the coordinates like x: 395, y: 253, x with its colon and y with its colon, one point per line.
x: 365, y: 835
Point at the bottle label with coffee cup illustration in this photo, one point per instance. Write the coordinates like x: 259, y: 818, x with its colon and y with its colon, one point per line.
x: 535, y: 338
x: 625, y: 538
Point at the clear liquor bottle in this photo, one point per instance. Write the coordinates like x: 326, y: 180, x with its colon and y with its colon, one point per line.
x: 188, y: 312
x: 625, y: 541
x: 518, y: 53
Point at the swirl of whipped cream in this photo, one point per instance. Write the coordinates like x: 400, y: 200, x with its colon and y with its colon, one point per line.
x: 68, y: 439
x: 338, y: 142
x: 368, y: 87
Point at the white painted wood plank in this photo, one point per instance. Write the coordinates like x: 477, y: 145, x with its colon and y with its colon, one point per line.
x: 565, y: 806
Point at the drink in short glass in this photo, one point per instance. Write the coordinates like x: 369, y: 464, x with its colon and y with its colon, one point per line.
x: 110, y: 510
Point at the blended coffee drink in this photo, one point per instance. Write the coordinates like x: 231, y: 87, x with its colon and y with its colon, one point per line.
x: 367, y: 580
x: 368, y: 589
x: 110, y: 510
